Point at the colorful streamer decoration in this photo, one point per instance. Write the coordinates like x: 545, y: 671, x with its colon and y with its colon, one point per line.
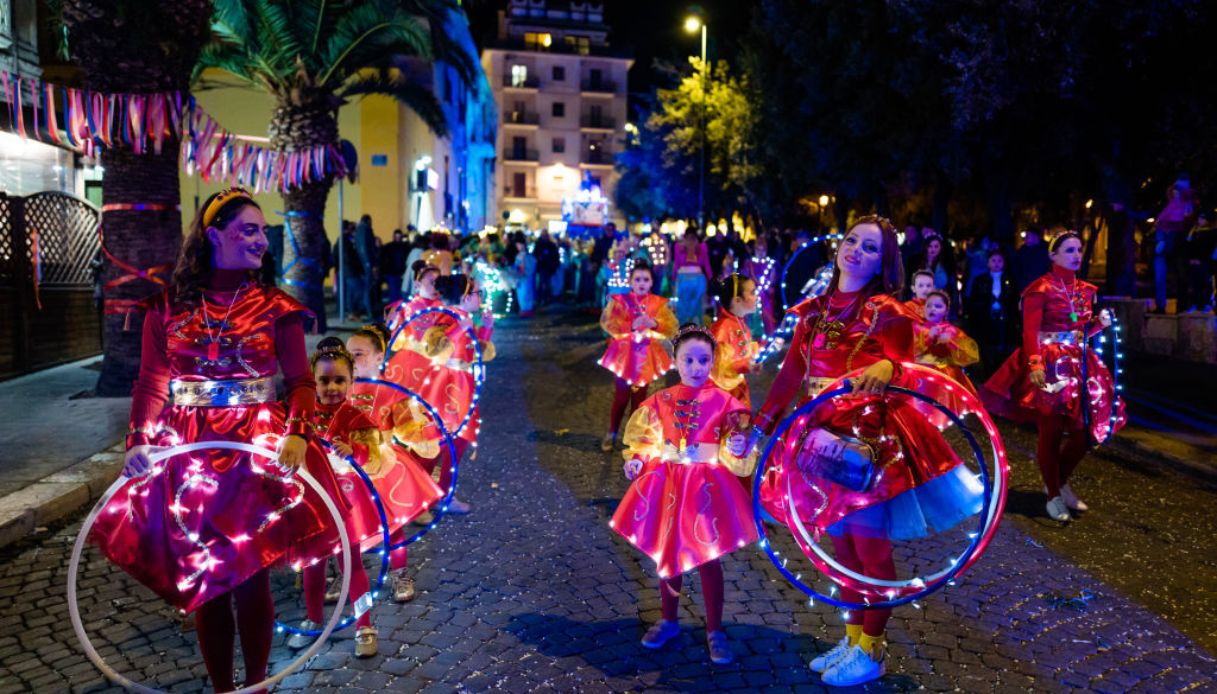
x: 88, y: 122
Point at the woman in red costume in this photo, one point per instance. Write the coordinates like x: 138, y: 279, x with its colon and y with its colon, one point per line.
x: 920, y: 486
x: 684, y: 509
x: 403, y: 478
x: 215, y: 340
x: 1042, y: 381
x: 351, y: 433
x: 940, y: 345
x: 736, y: 349
x: 639, y: 324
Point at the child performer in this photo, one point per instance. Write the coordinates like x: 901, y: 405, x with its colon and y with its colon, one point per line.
x: 424, y: 296
x: 352, y: 434
x: 1043, y: 380
x: 943, y: 346
x: 684, y: 508
x: 404, y: 483
x: 638, y: 324
x: 923, y: 284
x: 736, y: 349
x: 923, y: 486
x: 410, y: 365
x: 215, y: 340
x: 764, y: 270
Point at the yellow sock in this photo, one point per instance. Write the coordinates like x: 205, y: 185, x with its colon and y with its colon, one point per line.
x: 872, y: 645
x: 853, y: 632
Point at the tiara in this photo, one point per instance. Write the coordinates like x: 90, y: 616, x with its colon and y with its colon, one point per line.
x: 219, y: 201
x: 694, y: 329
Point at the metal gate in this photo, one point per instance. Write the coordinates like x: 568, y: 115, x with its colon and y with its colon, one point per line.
x: 48, y: 311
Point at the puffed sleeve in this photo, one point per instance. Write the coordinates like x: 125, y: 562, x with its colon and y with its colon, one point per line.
x: 962, y: 349
x: 788, y: 381
x: 366, y: 444
x: 643, y: 437
x: 666, y: 320
x: 615, y: 319
x: 415, y: 430
x: 738, y: 421
x: 436, y: 345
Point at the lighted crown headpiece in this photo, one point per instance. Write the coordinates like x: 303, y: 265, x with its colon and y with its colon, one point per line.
x: 694, y: 329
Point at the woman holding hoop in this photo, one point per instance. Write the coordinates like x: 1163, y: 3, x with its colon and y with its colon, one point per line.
x: 1042, y: 381
x: 215, y: 340
x: 920, y: 486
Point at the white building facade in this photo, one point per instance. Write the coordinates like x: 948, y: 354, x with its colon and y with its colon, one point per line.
x: 561, y: 98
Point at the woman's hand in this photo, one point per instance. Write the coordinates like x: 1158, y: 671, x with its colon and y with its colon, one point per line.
x: 344, y: 450
x: 1105, y: 318
x: 875, y: 379
x: 138, y: 460
x: 1037, y: 378
x: 737, y: 444
x: 633, y: 468
x: 291, y: 450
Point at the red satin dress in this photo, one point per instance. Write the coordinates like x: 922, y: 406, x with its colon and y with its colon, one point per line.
x: 345, y: 424
x: 733, y: 355
x: 949, y: 356
x: 919, y: 485
x: 637, y: 356
x: 203, y: 523
x: 686, y: 507
x: 1058, y: 312
x: 449, y: 384
x: 412, y: 366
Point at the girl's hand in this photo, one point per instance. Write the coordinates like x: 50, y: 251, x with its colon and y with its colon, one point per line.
x: 1105, y: 318
x: 737, y: 444
x: 344, y: 450
x: 488, y: 320
x: 875, y: 379
x: 291, y: 450
x: 640, y: 323
x: 633, y: 468
x: 1037, y: 378
x: 138, y: 460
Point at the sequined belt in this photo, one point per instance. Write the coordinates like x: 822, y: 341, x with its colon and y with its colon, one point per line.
x: 698, y: 453
x: 225, y: 393
x: 1066, y: 337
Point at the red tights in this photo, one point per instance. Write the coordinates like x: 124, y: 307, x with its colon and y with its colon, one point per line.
x: 314, y: 589
x: 255, y: 620
x: 871, y: 556
x: 712, y: 591
x: 624, y: 395
x: 1058, y: 462
x: 445, y: 462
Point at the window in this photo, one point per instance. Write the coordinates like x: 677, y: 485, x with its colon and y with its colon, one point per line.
x: 596, y: 117
x: 519, y: 185
x: 559, y: 144
x: 559, y: 109
x: 534, y: 41
x: 559, y: 73
x: 519, y: 75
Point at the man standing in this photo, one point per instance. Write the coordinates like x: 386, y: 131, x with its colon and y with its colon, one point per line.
x: 393, y: 264
x: 1031, y: 259
x: 548, y: 261
x: 351, y: 271
x: 365, y: 245
x: 992, y: 308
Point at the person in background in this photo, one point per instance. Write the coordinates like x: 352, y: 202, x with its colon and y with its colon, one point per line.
x: 548, y: 262
x: 938, y: 258
x: 393, y: 264
x: 1030, y: 260
x: 365, y: 245
x: 1170, y: 231
x: 419, y: 243
x: 691, y: 263
x: 353, y: 277
x: 910, y: 248
x: 991, y: 313
x: 1201, y: 254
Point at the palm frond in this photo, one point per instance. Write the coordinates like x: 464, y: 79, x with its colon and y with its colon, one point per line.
x: 276, y: 30
x: 232, y: 18
x: 415, y: 96
x: 364, y: 34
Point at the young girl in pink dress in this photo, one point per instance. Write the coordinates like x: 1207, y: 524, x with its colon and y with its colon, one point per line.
x: 685, y: 508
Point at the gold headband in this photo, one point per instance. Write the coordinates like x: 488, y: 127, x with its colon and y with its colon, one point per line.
x: 213, y: 208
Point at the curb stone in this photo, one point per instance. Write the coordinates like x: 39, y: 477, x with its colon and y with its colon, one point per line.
x: 58, y: 495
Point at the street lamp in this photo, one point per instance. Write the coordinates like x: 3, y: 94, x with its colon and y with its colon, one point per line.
x: 693, y: 24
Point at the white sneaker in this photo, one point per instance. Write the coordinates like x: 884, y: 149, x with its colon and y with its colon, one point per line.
x: 824, y: 661
x: 854, y: 668
x: 1057, y: 510
x: 302, y: 640
x: 1072, y: 501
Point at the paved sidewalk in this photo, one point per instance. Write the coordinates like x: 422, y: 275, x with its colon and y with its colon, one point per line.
x: 533, y: 592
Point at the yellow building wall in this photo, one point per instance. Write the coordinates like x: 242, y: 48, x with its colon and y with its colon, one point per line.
x: 383, y: 187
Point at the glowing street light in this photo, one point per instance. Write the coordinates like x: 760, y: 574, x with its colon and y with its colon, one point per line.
x: 694, y: 24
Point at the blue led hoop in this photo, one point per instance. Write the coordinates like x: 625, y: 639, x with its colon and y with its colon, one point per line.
x: 959, y: 563
x: 799, y: 251
x: 1115, y: 369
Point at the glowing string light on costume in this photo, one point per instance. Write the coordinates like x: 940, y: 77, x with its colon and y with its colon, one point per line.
x: 891, y: 593
x: 155, y: 459
x: 478, y: 368
x: 491, y: 281
x: 799, y: 251
x: 1117, y: 370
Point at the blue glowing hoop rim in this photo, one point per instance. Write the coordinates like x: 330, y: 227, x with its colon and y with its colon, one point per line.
x: 962, y: 562
x: 479, y: 369
x: 1115, y: 379
x: 441, y: 506
x: 374, y: 591
x: 799, y: 251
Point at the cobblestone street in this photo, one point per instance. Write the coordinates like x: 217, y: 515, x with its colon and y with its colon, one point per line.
x: 532, y: 592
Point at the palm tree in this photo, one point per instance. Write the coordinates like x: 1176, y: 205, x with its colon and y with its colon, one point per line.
x: 134, y: 46
x: 313, y: 56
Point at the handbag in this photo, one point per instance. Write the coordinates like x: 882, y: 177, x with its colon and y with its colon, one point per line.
x: 844, y: 460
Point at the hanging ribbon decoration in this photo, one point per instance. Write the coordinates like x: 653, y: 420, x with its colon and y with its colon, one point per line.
x: 157, y: 274
x: 93, y: 120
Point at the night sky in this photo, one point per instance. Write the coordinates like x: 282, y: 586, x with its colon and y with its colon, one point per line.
x: 649, y: 29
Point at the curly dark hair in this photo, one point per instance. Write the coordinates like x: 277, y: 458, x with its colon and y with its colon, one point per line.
x: 194, y: 262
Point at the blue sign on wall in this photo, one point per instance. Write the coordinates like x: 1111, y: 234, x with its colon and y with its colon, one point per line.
x: 380, y: 160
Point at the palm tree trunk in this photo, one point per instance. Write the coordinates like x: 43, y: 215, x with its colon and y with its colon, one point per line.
x: 297, y: 126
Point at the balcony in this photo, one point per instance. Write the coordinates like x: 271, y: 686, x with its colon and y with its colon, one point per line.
x: 598, y: 123
x: 512, y: 195
x: 599, y: 87
x: 521, y: 118
x: 596, y: 157
x: 530, y: 82
x: 520, y: 155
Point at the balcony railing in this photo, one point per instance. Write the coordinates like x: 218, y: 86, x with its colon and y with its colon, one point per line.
x: 521, y: 118
x: 600, y: 87
x: 597, y: 156
x: 529, y: 193
x: 530, y: 82
x: 516, y: 154
x: 598, y: 122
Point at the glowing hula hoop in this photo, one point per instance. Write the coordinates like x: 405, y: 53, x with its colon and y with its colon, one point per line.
x: 361, y: 605
x: 449, y: 442
x: 897, y: 592
x: 1115, y: 370
x: 87, y: 526
x: 799, y: 251
x: 479, y: 368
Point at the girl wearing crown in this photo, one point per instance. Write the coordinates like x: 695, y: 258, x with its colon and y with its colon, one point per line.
x: 684, y: 508
x: 736, y: 349
x: 920, y: 486
x: 202, y: 530
x: 1044, y: 381
x: 940, y: 345
x: 639, y: 324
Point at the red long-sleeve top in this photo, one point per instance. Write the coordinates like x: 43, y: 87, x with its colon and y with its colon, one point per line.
x: 1048, y: 303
